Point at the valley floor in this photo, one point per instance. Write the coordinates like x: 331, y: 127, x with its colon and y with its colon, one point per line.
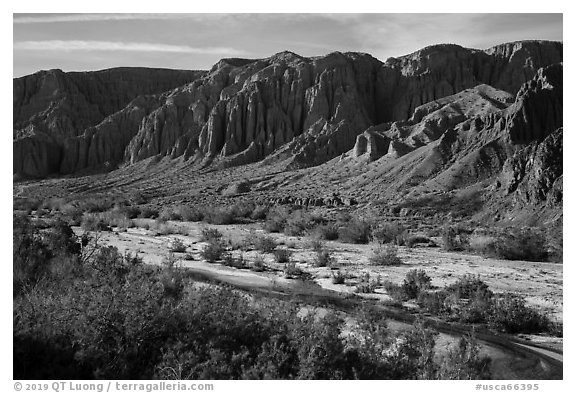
x: 539, y: 282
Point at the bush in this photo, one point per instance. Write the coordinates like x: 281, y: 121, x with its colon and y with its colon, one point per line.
x: 415, y: 282
x: 259, y: 265
x: 220, y: 216
x: 282, y: 255
x: 465, y: 362
x: 511, y: 315
x: 259, y: 212
x: 338, y: 278
x: 469, y: 285
x: 367, y: 284
x: 177, y: 245
x: 299, y: 222
x: 188, y: 213
x: 324, y: 258
x: 356, y: 231
x: 455, y: 238
x: 385, y: 257
x: 518, y: 244
x: 209, y: 234
x: 327, y: 231
x: 237, y: 262
x: 93, y: 223
x: 265, y: 244
x: 389, y: 233
x: 395, y: 291
x: 276, y: 219
x: 148, y: 212
x: 434, y: 302
x: 412, y: 240
x: 213, y: 251
x: 292, y: 271
x: 317, y: 245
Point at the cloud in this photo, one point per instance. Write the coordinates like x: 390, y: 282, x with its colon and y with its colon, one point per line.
x: 78, y: 45
x: 72, y: 18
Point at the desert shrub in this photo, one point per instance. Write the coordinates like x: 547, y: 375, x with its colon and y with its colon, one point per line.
x: 177, y: 245
x: 237, y: 262
x: 464, y: 361
x: 258, y: 265
x: 243, y: 209
x: 209, y: 234
x: 127, y: 211
x: 188, y: 213
x: 301, y: 221
x: 214, y: 251
x: 61, y: 239
x: 30, y: 254
x: 554, y: 237
x: 518, y: 244
x: 316, y: 245
x: 148, y: 212
x: 366, y: 284
x: 477, y: 309
x: 455, y: 238
x: 338, y: 277
x: 96, y: 204
x: 94, y: 223
x: 326, y: 231
x: 259, y: 212
x: 276, y: 219
x: 390, y: 232
x: 469, y: 285
x: 388, y: 256
x: 412, y: 240
x: 282, y: 255
x: 171, y: 278
x: 510, y: 314
x: 324, y: 258
x: 168, y: 213
x: 26, y: 204
x: 356, y: 231
x: 219, y: 215
x: 416, y: 280
x: 292, y: 271
x: 116, y: 219
x: 434, y: 302
x: 265, y: 244
x: 395, y: 291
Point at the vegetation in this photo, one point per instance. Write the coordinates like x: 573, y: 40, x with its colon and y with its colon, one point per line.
x: 355, y: 231
x: 214, y: 251
x: 177, y: 245
x: 282, y: 255
x: 265, y: 244
x: 385, y: 256
x: 324, y: 258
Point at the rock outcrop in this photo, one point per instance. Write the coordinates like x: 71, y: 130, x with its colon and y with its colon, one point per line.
x: 534, y: 174
x: 304, y: 111
x: 441, y: 70
x: 50, y: 107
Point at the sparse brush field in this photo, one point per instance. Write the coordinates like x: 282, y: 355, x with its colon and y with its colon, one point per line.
x: 284, y: 250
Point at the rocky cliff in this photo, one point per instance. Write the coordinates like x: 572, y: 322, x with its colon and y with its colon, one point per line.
x: 50, y: 107
x: 303, y: 111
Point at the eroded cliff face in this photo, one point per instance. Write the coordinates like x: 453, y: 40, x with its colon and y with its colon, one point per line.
x: 52, y: 108
x: 250, y: 111
x: 441, y: 70
x: 304, y: 111
x: 534, y: 174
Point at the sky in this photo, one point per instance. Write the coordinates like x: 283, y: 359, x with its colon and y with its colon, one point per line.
x: 80, y: 42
